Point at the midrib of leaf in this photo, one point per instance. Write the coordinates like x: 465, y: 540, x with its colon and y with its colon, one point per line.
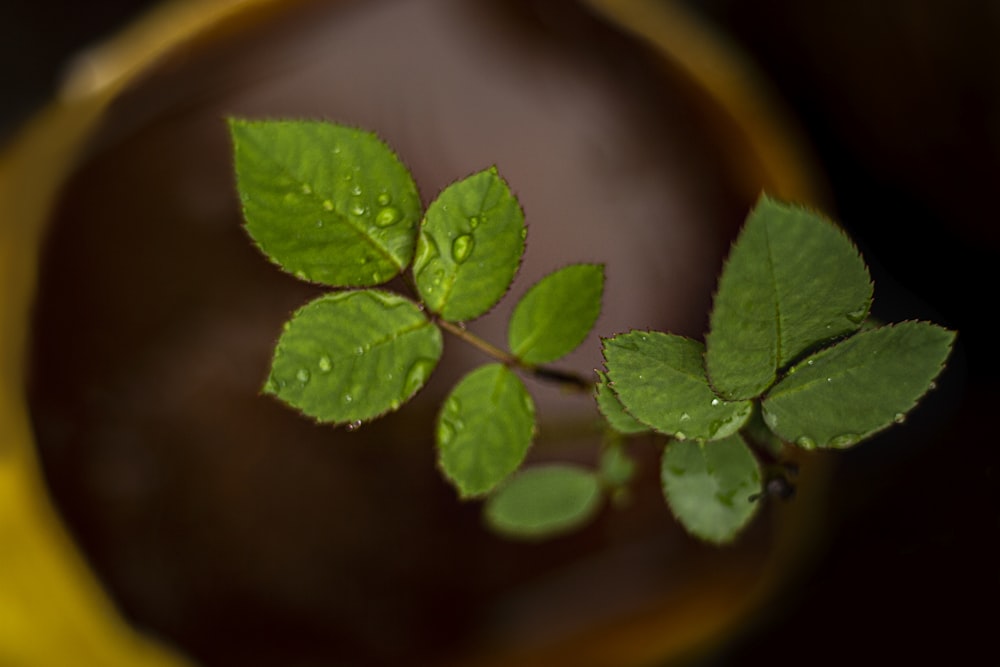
x: 313, y: 194
x: 396, y: 335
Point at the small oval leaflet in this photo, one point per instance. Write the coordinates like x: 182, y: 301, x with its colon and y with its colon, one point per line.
x: 484, y: 429
x: 307, y: 190
x: 544, y: 501
x: 463, y: 269
x: 556, y: 314
x: 349, y: 338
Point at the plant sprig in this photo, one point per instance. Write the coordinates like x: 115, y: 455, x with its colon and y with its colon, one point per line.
x: 787, y: 361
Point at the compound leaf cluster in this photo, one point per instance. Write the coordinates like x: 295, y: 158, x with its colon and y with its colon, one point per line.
x: 790, y: 358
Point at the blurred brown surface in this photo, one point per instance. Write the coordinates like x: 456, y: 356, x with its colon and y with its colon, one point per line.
x: 902, y: 102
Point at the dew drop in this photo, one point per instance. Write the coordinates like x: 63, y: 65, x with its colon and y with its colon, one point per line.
x: 899, y: 418
x: 843, y: 440
x: 805, y: 442
x: 319, y: 223
x: 715, y: 401
x: 857, y: 316
x: 356, y: 190
x: 359, y: 350
x: 474, y: 222
x: 524, y: 233
x: 358, y: 208
x: 301, y: 275
x: 811, y: 362
x: 461, y: 248
x: 327, y: 205
x: 932, y: 386
x: 680, y: 435
x: 303, y: 375
x: 306, y: 189
x: 387, y: 217
x: 384, y: 199
x: 354, y: 425
x: 325, y: 364
x: 348, y: 398
x: 417, y: 376
x: 685, y: 417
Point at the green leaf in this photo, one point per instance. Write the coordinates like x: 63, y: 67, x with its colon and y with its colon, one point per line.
x: 470, y: 247
x: 327, y: 203
x: 617, y: 468
x: 484, y: 429
x: 352, y: 356
x: 544, y: 501
x: 793, y: 280
x: 660, y: 379
x: 858, y: 387
x: 556, y: 314
x: 708, y: 486
x: 613, y: 410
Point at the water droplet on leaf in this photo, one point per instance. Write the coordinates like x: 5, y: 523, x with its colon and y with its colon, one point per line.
x: 387, y: 216
x: 327, y: 205
x: 899, y: 418
x: 302, y: 375
x: 843, y: 440
x: 805, y: 442
x: 354, y: 425
x: 306, y: 190
x: 715, y: 401
x: 384, y: 199
x: 325, y: 364
x: 461, y: 248
x: 685, y: 417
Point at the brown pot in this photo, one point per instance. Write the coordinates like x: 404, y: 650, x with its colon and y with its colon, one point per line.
x: 220, y: 521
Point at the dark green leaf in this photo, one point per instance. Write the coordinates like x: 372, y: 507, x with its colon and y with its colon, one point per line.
x: 793, y: 280
x: 544, y: 501
x: 613, y: 410
x: 327, y: 203
x: 557, y: 313
x: 708, y: 486
x: 352, y: 356
x: 859, y: 386
x: 470, y: 247
x: 660, y: 379
x: 484, y: 429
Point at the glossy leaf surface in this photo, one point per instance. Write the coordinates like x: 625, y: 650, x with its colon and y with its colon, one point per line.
x: 352, y: 356
x: 470, y: 247
x: 660, y: 379
x: 484, y: 429
x: 792, y: 280
x: 857, y: 387
x: 328, y: 203
x: 556, y: 314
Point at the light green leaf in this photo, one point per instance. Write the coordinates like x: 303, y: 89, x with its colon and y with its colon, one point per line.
x: 470, y: 247
x: 484, y: 429
x: 660, y: 379
x: 352, y: 356
x: 613, y: 410
x: 544, y: 501
x: 858, y: 387
x: 708, y: 486
x: 556, y: 314
x: 792, y: 281
x: 327, y: 203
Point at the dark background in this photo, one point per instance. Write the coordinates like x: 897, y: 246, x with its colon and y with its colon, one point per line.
x: 901, y: 101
